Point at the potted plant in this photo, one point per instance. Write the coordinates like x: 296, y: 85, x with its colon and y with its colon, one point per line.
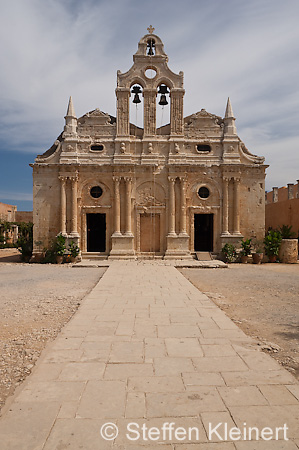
x: 246, y: 250
x: 25, y: 242
x: 25, y: 247
x: 288, y: 252
x: 272, y: 243
x: 229, y: 252
x: 258, y: 253
x: 59, y: 248
x: 74, y: 251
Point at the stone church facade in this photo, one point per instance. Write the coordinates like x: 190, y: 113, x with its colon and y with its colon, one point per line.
x: 120, y: 190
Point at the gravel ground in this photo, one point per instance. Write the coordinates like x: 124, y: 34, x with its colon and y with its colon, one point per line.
x: 35, y: 302
x: 263, y: 300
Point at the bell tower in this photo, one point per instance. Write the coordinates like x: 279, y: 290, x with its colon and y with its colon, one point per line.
x: 150, y: 73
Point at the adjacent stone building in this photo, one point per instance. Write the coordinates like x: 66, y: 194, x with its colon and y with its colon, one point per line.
x: 7, y: 212
x: 282, y: 207
x: 123, y: 190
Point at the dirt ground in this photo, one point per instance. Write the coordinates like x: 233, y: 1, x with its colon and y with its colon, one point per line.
x: 263, y: 300
x: 35, y: 302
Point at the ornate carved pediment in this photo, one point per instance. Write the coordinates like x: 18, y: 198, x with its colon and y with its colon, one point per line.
x: 96, y: 117
x: 203, y: 119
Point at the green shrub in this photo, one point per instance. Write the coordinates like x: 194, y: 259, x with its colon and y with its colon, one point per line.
x: 246, y: 247
x: 229, y: 251
x: 286, y: 232
x: 272, y: 242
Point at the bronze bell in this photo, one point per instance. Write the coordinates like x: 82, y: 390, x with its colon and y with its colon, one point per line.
x: 136, y: 99
x: 163, y: 100
x: 136, y: 90
x: 151, y: 45
x: 163, y: 89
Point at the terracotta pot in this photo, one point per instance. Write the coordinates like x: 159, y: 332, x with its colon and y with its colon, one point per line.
x: 272, y: 258
x: 244, y: 259
x: 73, y: 259
x: 257, y: 258
x: 59, y: 259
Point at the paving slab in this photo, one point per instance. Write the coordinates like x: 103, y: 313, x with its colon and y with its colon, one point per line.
x: 150, y: 354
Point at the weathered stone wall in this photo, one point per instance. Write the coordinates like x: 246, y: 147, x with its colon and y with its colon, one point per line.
x: 283, y: 213
x: 24, y: 216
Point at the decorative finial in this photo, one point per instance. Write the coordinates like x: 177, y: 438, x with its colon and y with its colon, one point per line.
x: 151, y: 29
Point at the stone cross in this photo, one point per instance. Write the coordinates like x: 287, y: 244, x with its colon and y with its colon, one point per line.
x: 151, y: 29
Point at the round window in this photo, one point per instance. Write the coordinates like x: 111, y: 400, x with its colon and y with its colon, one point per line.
x: 150, y: 73
x: 203, y: 192
x: 96, y: 191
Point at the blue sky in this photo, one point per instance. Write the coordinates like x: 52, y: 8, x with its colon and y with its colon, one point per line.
x: 245, y: 49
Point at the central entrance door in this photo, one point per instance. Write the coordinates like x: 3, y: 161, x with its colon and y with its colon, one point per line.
x: 96, y: 232
x: 150, y: 233
x: 203, y: 232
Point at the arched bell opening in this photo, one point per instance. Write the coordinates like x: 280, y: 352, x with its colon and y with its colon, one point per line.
x: 163, y: 107
x: 136, y: 109
x: 150, y: 47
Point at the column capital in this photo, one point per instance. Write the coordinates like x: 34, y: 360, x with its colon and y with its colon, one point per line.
x: 74, y: 177
x: 172, y: 179
x: 116, y: 178
x: 128, y: 179
x: 62, y: 178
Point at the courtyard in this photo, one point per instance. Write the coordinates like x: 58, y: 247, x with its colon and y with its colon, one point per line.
x: 145, y: 345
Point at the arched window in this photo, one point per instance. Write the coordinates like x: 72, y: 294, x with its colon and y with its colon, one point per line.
x: 136, y: 107
x: 163, y: 106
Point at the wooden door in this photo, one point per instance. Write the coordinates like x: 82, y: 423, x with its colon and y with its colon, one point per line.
x: 150, y: 233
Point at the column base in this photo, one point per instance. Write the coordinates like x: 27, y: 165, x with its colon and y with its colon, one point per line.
x: 225, y: 233
x: 122, y: 247
x: 177, y: 247
x: 74, y: 234
x: 116, y: 234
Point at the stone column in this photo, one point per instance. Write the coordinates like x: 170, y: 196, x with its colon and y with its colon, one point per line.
x: 62, y: 205
x: 123, y: 95
x: 128, y: 181
x: 116, y: 207
x: 74, y: 230
x: 171, y: 207
x: 236, y: 205
x: 176, y: 112
x: 183, y: 206
x: 149, y: 120
x: 275, y: 194
x: 225, y: 207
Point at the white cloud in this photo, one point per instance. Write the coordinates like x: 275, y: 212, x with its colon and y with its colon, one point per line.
x: 238, y: 48
x: 16, y: 196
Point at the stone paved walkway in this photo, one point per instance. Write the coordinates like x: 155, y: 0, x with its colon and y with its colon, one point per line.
x: 147, y: 348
